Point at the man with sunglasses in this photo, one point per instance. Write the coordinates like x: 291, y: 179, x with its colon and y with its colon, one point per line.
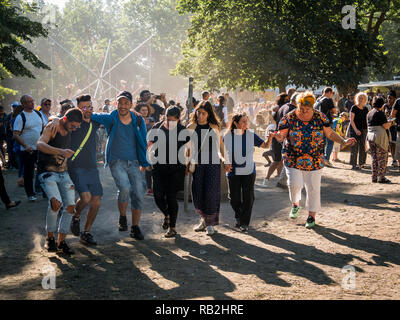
x: 83, y: 171
x: 45, y: 107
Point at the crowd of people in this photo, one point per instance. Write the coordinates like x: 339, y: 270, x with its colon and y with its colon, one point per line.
x: 150, y: 148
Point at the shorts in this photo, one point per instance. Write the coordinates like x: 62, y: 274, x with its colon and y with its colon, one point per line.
x: 276, y: 150
x: 86, y: 180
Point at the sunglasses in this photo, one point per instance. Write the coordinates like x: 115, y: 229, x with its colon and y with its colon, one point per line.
x: 87, y: 108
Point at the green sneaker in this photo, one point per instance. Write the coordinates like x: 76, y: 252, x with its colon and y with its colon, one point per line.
x: 310, y: 222
x: 294, y: 212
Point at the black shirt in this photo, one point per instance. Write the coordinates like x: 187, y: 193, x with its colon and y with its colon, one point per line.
x: 167, y: 166
x: 284, y: 110
x: 158, y: 111
x: 376, y: 118
x: 348, y: 104
x: 54, y: 163
x: 326, y: 107
x: 360, y: 117
x: 87, y: 156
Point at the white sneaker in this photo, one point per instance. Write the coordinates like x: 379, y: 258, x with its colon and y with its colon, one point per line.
x: 201, y: 226
x: 210, y: 231
x: 32, y: 199
x: 265, y: 182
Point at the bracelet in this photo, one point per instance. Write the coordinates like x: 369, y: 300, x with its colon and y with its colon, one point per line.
x: 343, y: 141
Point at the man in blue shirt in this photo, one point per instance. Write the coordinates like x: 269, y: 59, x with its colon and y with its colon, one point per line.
x: 126, y: 155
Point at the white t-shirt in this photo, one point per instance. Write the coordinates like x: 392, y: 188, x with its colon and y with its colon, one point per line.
x: 45, y: 118
x: 32, y: 130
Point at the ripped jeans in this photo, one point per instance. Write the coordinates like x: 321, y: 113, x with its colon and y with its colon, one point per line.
x: 58, y: 185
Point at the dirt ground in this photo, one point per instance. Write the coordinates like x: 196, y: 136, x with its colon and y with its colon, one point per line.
x: 278, y: 258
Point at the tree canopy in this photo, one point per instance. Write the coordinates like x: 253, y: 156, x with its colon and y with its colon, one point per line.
x: 258, y: 44
x: 16, y: 29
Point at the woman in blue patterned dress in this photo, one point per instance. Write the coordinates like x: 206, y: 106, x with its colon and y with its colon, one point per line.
x: 303, y: 152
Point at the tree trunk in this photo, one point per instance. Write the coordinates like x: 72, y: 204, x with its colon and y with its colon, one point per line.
x: 282, y: 87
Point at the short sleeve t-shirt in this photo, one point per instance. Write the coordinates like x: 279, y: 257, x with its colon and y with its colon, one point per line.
x: 304, y: 146
x: 124, y: 143
x: 326, y: 107
x: 32, y: 130
x: 360, y: 117
x: 87, y: 156
x: 244, y: 164
x: 376, y: 118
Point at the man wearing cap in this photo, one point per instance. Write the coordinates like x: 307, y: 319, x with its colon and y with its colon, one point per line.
x: 45, y: 106
x: 126, y: 156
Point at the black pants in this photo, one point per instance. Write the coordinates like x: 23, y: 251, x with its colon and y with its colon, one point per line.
x: 3, y: 191
x: 165, y: 187
x: 359, y: 149
x: 149, y: 181
x: 29, y: 160
x: 241, y: 195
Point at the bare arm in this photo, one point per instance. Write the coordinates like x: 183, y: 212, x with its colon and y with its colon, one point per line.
x: 17, y: 137
x: 280, y: 135
x: 332, y: 135
x: 44, y: 147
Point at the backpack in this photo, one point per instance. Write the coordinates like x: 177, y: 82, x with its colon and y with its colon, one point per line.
x: 317, y: 105
x: 22, y: 114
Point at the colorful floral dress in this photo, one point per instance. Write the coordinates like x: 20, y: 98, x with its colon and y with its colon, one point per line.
x: 304, y: 146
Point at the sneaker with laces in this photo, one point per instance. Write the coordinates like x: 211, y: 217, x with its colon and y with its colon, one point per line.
x: 244, y: 228
x: 294, y: 212
x: 310, y: 222
x: 87, y: 238
x: 51, y: 245
x: 65, y: 248
x: 136, y: 233
x: 210, y: 230
x: 76, y: 226
x: 123, y: 223
x: 201, y: 226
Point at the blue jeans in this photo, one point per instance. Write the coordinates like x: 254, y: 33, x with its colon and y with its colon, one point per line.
x: 58, y: 185
x: 129, y: 181
x: 328, y: 149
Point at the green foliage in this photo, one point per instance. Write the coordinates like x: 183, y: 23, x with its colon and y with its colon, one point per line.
x: 257, y: 44
x: 16, y: 29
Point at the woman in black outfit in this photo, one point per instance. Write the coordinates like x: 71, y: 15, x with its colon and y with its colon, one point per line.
x: 168, y: 174
x: 358, y: 130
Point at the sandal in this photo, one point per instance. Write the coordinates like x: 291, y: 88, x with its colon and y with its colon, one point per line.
x: 165, y: 225
x: 170, y: 234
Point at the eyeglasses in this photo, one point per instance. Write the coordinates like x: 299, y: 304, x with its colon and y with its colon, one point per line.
x: 87, y: 108
x: 47, y: 104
